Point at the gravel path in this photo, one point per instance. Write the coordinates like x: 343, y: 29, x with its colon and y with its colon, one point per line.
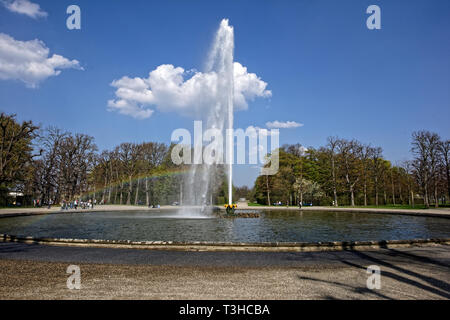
x: 39, y: 272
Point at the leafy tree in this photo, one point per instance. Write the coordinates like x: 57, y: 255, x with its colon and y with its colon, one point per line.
x: 15, y: 152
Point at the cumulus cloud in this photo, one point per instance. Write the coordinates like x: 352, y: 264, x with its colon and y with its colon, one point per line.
x: 25, y: 7
x: 283, y: 125
x: 170, y: 88
x: 29, y: 61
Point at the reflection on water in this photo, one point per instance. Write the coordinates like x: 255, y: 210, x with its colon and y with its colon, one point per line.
x: 272, y: 226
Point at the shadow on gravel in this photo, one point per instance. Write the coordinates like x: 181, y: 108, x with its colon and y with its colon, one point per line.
x: 14, y: 247
x: 419, y: 258
x: 443, y: 287
x: 359, y: 290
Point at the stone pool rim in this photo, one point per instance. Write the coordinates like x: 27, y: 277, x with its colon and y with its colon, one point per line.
x: 227, y: 246
x: 231, y: 246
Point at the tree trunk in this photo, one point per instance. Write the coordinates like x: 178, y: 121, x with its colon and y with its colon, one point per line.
x: 121, y: 192
x: 352, y: 193
x: 268, y: 191
x: 376, y: 191
x: 129, y: 190
x: 426, y: 201
x: 352, y: 196
x: 436, y: 202
x: 109, y: 194
x: 393, y: 189
x: 409, y: 195
x: 365, y: 193
x: 147, y: 195
x: 447, y: 169
x: 110, y: 182
x: 136, y: 198
x: 104, y: 189
x: 333, y: 172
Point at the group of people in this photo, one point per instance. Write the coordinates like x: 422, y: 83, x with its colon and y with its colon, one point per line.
x: 37, y: 203
x: 66, y: 205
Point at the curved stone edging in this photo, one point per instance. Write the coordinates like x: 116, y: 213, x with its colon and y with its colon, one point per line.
x: 228, y: 246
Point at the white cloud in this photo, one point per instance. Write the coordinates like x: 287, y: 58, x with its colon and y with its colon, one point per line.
x: 167, y: 90
x: 247, y: 86
x: 29, y: 61
x: 283, y: 125
x: 25, y: 7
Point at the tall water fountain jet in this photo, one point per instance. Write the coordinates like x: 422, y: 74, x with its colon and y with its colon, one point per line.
x: 201, y: 182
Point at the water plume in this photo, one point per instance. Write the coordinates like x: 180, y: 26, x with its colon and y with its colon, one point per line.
x: 201, y: 181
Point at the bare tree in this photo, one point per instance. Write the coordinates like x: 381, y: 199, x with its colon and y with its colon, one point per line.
x: 444, y: 149
x: 332, y: 146
x: 434, y: 142
x: 77, y: 158
x: 348, y: 152
x: 377, y: 170
x: 153, y: 155
x: 51, y: 142
x: 408, y: 167
x: 425, y: 146
x: 129, y: 154
x: 366, y: 152
x: 103, y: 169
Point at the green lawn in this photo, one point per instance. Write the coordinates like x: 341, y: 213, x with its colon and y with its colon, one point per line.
x: 400, y: 206
x: 251, y: 204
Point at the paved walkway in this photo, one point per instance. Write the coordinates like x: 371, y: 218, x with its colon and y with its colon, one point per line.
x: 37, y: 211
x: 444, y: 212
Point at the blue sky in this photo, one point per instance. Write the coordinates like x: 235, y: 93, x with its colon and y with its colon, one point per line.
x: 325, y: 69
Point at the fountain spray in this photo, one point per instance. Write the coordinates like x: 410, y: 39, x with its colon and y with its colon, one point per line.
x: 220, y: 63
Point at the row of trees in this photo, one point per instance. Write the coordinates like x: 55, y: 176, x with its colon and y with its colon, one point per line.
x: 52, y: 165
x: 348, y: 172
x: 137, y: 174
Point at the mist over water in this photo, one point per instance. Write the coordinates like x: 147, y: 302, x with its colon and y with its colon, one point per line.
x: 199, y: 183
